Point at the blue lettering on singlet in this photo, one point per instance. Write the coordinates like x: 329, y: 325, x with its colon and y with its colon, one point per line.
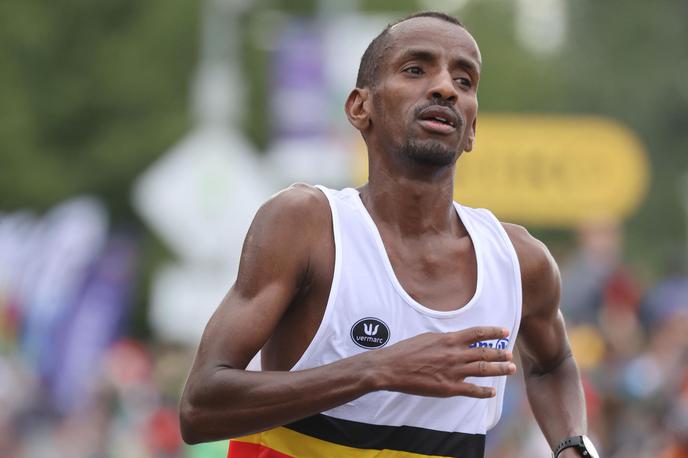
x: 500, y: 344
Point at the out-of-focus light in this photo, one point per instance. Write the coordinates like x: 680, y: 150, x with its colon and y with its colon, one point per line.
x: 587, y: 345
x: 541, y: 25
x: 643, y: 377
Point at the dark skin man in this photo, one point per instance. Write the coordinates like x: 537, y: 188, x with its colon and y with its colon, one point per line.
x: 416, y: 120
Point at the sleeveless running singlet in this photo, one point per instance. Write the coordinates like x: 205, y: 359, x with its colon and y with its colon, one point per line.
x: 369, y: 309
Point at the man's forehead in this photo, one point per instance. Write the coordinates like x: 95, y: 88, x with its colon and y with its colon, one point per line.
x: 436, y: 31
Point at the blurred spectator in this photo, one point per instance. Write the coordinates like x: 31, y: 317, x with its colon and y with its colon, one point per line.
x: 595, y: 275
x: 670, y: 295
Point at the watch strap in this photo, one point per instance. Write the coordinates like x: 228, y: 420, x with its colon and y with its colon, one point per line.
x: 573, y: 441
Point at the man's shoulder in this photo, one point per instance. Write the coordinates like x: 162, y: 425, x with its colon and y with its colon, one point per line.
x: 299, y: 196
x: 300, y: 202
x: 533, y: 255
x: 525, y: 244
x: 289, y: 227
x: 539, y: 271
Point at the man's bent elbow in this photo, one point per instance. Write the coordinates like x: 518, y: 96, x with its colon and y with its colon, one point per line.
x: 198, y: 425
x: 189, y: 424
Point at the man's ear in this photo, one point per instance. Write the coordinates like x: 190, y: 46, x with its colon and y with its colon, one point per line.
x: 357, y: 108
x: 470, y: 140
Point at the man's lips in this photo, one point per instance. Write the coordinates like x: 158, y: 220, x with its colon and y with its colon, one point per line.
x: 437, y: 127
x: 438, y: 119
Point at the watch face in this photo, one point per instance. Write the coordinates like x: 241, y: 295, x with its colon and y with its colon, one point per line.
x: 589, y: 447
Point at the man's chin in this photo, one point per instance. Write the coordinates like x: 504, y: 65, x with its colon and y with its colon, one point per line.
x: 429, y: 152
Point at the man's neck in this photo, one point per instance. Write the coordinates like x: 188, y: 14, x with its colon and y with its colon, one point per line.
x: 412, y: 206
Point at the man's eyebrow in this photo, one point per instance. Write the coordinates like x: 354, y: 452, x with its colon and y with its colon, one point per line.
x: 427, y: 56
x: 467, y: 64
x: 417, y: 54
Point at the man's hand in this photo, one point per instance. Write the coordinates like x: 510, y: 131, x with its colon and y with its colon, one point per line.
x: 437, y: 364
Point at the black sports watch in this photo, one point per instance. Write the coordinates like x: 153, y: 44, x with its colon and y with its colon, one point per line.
x: 581, y: 443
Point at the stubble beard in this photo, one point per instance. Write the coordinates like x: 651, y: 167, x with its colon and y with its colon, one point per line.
x: 428, y: 153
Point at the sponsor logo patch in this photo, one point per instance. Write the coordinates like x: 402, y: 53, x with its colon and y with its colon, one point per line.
x: 370, y: 333
x: 500, y: 344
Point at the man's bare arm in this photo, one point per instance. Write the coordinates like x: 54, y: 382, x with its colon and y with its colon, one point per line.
x: 552, y: 379
x: 222, y: 400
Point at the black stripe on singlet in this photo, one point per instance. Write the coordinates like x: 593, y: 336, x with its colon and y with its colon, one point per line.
x: 401, y: 438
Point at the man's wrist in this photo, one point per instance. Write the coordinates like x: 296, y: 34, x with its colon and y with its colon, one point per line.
x: 569, y: 453
x: 373, y: 378
x: 575, y: 446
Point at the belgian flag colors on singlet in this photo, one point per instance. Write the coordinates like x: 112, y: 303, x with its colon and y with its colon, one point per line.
x: 368, y: 309
x: 328, y: 437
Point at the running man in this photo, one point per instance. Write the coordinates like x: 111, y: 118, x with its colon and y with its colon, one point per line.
x: 387, y: 315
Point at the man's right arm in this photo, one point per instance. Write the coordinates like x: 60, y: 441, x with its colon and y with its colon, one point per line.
x: 222, y: 400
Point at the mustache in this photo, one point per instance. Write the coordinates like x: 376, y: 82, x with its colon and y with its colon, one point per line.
x: 442, y: 103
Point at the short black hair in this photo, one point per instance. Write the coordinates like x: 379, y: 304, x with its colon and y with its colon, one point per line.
x: 370, y: 62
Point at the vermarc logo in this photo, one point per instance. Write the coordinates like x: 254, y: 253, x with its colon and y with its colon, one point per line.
x: 370, y: 333
x: 369, y: 330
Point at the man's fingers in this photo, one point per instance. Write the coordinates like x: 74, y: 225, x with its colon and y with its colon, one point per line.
x: 476, y: 391
x: 486, y: 354
x: 487, y: 369
x: 481, y: 333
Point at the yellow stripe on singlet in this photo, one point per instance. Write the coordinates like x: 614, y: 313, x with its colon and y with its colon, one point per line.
x: 302, y: 446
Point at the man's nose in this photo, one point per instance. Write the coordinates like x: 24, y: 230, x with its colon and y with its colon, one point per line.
x: 443, y: 87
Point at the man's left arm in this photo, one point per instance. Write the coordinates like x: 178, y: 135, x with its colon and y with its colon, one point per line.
x: 551, y: 375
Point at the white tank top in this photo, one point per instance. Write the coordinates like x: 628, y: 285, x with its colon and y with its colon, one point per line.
x: 367, y: 309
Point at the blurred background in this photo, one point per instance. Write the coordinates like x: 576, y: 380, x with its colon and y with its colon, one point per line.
x: 137, y: 140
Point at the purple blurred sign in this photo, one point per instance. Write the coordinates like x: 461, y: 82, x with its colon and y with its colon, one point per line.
x: 299, y: 84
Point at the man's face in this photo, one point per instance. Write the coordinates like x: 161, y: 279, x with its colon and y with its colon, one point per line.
x: 425, y: 102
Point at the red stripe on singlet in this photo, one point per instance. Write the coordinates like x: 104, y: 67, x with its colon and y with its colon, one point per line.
x: 238, y: 449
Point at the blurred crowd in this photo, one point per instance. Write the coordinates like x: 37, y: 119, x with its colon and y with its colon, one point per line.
x: 73, y: 383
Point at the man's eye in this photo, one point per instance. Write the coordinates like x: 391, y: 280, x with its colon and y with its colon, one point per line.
x: 414, y: 70
x: 466, y: 82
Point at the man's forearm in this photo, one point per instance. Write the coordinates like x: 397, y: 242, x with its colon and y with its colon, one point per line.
x: 558, y: 402
x: 221, y: 402
x: 232, y: 402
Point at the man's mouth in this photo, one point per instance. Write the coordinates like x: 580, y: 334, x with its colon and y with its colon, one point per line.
x: 438, y: 119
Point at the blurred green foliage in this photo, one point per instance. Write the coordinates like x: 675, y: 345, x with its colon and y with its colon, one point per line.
x: 92, y: 92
